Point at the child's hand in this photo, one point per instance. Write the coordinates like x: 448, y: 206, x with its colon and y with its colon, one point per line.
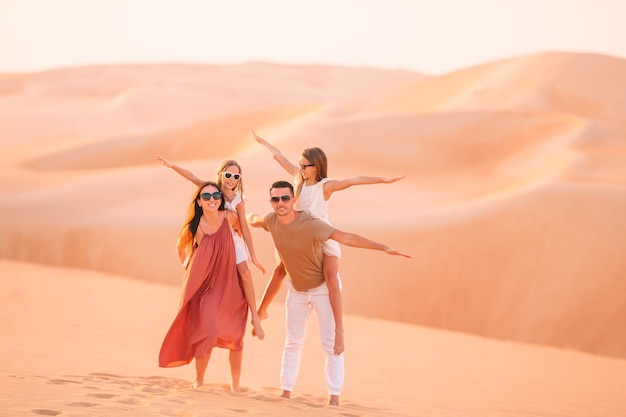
x: 163, y: 161
x: 258, y: 138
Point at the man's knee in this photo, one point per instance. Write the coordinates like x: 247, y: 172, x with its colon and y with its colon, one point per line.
x: 293, y: 345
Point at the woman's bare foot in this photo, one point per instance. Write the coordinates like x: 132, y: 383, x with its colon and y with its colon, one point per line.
x: 197, y: 384
x: 235, y: 388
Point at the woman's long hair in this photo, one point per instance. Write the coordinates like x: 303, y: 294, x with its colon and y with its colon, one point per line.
x: 194, y: 213
x: 317, y: 157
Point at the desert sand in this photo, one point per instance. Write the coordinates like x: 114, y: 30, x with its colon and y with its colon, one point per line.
x: 512, y: 305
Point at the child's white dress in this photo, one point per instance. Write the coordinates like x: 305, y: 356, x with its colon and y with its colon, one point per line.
x: 311, y: 200
x: 241, y: 250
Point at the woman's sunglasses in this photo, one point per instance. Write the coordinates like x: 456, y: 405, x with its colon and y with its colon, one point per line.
x: 282, y: 197
x: 207, y: 196
x: 227, y: 175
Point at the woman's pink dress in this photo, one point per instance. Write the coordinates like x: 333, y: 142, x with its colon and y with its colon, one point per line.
x: 213, y: 309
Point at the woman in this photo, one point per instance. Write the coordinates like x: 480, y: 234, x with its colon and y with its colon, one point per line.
x: 313, y: 192
x: 230, y: 181
x: 213, y: 308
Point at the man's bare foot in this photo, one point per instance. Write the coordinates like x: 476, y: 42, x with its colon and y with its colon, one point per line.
x: 333, y: 400
x: 286, y: 394
x: 197, y: 384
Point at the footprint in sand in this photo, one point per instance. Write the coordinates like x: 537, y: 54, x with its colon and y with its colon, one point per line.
x: 105, y: 396
x: 81, y: 404
x: 176, y: 400
x: 267, y: 394
x: 267, y: 397
x: 177, y: 413
x: 105, y: 375
x: 132, y: 401
x: 154, y: 389
x: 46, y: 412
x: 311, y: 401
x: 62, y: 381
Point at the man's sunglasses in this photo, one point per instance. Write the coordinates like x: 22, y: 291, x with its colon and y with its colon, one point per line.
x: 227, y: 175
x: 207, y: 196
x: 282, y: 197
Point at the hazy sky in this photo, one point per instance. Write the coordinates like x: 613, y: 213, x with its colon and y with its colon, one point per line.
x: 431, y: 36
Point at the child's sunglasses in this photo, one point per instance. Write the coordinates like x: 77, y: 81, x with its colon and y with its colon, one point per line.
x: 227, y: 175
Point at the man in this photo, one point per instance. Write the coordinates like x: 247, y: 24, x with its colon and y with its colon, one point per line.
x: 298, y: 238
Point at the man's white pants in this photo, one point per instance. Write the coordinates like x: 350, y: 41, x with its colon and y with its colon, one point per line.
x: 299, y: 305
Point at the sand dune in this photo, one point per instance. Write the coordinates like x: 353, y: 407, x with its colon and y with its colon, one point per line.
x: 581, y: 84
x: 512, y: 205
x: 85, y: 343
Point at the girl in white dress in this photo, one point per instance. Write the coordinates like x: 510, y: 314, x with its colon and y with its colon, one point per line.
x: 230, y: 181
x: 313, y: 190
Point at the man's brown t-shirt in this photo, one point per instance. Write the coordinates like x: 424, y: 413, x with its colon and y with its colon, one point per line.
x: 299, y: 245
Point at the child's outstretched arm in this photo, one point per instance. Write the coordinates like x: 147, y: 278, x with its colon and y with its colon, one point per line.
x: 182, y: 171
x: 338, y: 185
x: 277, y: 155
